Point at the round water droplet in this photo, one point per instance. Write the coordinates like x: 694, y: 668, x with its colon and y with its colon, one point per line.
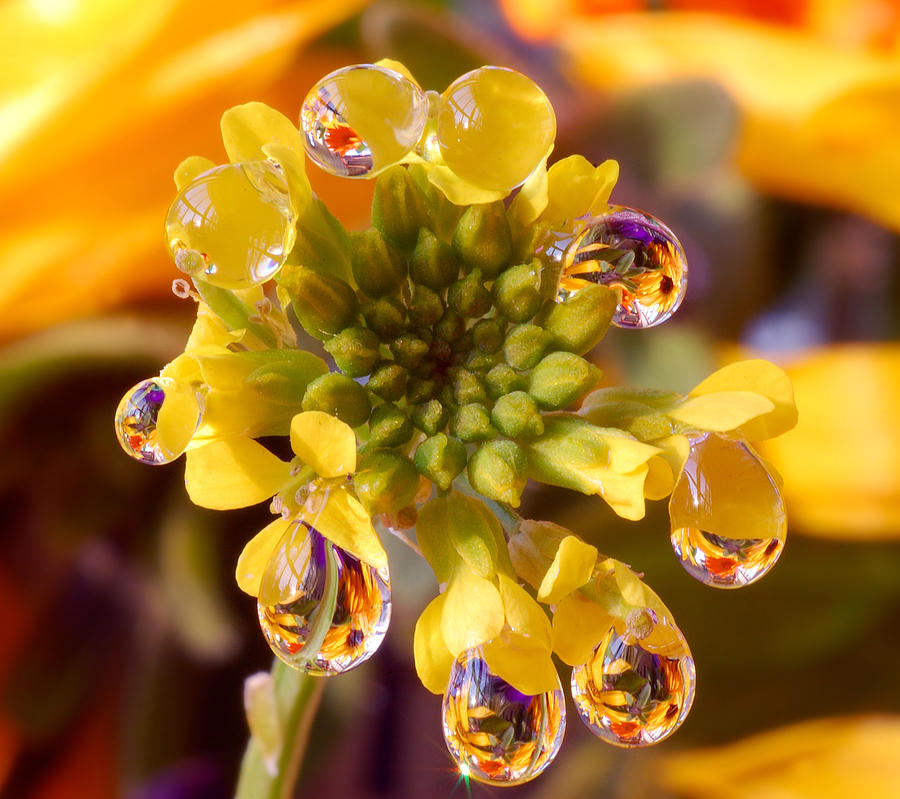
x: 496, y: 733
x: 727, y: 514
x: 632, y: 251
x: 232, y: 225
x: 631, y: 696
x: 321, y: 609
x: 494, y: 126
x: 156, y: 419
x: 361, y: 119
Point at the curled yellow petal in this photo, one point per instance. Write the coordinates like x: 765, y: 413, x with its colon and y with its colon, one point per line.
x: 433, y: 659
x: 571, y: 568
x: 523, y: 614
x: 578, y: 626
x: 722, y: 410
x: 531, y: 200
x: 523, y: 662
x: 473, y: 611
x: 324, y: 442
x: 256, y: 554
x: 576, y: 187
x: 457, y: 190
x: 344, y: 522
x: 191, y: 167
x: 247, y: 128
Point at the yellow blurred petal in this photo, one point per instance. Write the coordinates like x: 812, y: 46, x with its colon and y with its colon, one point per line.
x: 571, y: 568
x: 578, y: 626
x: 721, y: 411
x: 824, y: 759
x: 324, y: 442
x: 233, y: 473
x: 397, y: 66
x: 190, y: 168
x: 433, y: 659
x: 473, y: 611
x: 247, y: 128
x: 763, y: 378
x: 457, y: 190
x: 523, y: 614
x: 576, y: 187
x: 256, y: 554
x: 344, y: 522
x: 523, y: 662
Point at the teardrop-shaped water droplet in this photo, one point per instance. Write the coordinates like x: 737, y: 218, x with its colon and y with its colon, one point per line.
x: 632, y: 251
x: 631, y: 696
x: 727, y: 514
x: 497, y: 734
x: 156, y: 419
x: 233, y: 225
x: 362, y: 119
x: 321, y: 609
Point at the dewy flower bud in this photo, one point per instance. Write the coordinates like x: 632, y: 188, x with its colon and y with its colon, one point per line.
x: 389, y: 426
x: 385, y: 316
x: 324, y: 304
x: 440, y: 458
x: 516, y: 414
x: 525, y: 345
x: 482, y: 238
x: 388, y: 381
x: 498, y: 471
x: 561, y: 378
x: 503, y: 379
x: 398, y: 209
x: 430, y: 416
x: 385, y: 481
x: 355, y: 350
x: 378, y: 268
x: 340, y: 396
x: 578, y: 323
x: 425, y: 306
x: 432, y: 262
x: 517, y: 291
x: 468, y: 296
x: 472, y: 422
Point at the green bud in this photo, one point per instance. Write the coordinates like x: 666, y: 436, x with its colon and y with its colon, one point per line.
x: 560, y: 379
x: 432, y: 262
x: 429, y: 417
x: 398, y: 208
x: 482, y: 238
x: 641, y: 420
x: 578, y: 323
x: 324, y: 305
x: 425, y: 306
x: 468, y: 296
x: 408, y: 350
x: 389, y: 426
x: 322, y: 244
x: 498, y: 470
x: 355, y: 350
x: 487, y: 335
x: 340, y: 396
x: 440, y: 459
x: 388, y: 381
x: 284, y: 374
x: 451, y: 327
x: 442, y: 214
x: 517, y: 291
x: 516, y: 414
x: 419, y: 389
x: 378, y: 268
x: 472, y: 422
x: 479, y: 362
x: 503, y: 379
x: 385, y: 316
x: 525, y: 345
x: 385, y: 481
x: 468, y: 387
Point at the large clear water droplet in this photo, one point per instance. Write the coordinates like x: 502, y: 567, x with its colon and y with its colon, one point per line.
x: 361, y: 119
x: 630, y: 696
x: 727, y: 514
x: 497, y: 734
x: 156, y: 419
x: 233, y: 225
x: 321, y: 609
x: 634, y: 252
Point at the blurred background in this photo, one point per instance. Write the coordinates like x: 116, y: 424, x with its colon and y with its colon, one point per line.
x: 764, y: 133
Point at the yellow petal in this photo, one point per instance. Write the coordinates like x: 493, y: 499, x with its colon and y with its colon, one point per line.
x: 473, y: 611
x: 190, y: 168
x: 457, y: 190
x: 523, y: 614
x: 233, y: 473
x: 532, y: 199
x: 324, y: 442
x: 344, y: 522
x: 578, y: 626
x: 433, y: 659
x: 571, y: 568
x: 576, y: 187
x: 256, y: 554
x: 523, y: 662
x: 178, y: 418
x: 765, y: 379
x: 294, y: 170
x: 397, y: 66
x: 660, y: 478
x: 247, y: 128
x: 722, y: 410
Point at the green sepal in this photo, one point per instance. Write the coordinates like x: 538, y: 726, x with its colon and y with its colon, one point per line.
x: 578, y: 323
x: 324, y: 304
x: 340, y: 396
x: 432, y: 263
x: 434, y: 541
x: 567, y: 444
x: 389, y: 426
x: 388, y: 381
x: 233, y: 311
x: 560, y: 379
x: 516, y: 414
x: 425, y: 306
x: 472, y: 422
x: 642, y: 421
x: 385, y: 316
x: 430, y: 416
x: 503, y: 379
x: 443, y: 215
x: 517, y: 291
x: 482, y: 238
x: 525, y: 345
x: 398, y: 208
x: 385, y: 481
x: 441, y: 458
x: 468, y: 296
x: 322, y: 244
x: 469, y: 526
x: 378, y: 267
x: 498, y: 470
x: 286, y: 379
x: 355, y: 350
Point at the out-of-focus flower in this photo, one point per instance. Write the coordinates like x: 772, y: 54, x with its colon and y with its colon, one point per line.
x: 817, y: 85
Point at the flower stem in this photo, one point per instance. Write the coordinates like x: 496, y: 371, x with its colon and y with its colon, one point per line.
x: 298, y: 696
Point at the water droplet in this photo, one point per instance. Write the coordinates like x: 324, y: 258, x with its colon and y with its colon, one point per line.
x: 233, y: 225
x: 630, y: 250
x: 496, y: 733
x: 362, y: 119
x: 727, y: 514
x: 156, y: 419
x: 307, y: 577
x: 494, y: 126
x: 631, y: 696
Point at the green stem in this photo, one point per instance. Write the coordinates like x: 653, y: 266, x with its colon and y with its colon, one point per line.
x: 298, y: 696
